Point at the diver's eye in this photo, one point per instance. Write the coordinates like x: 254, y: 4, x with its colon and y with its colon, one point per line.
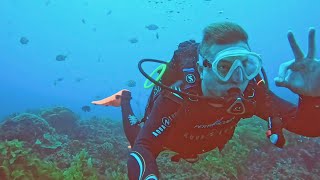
x: 224, y: 67
x: 245, y: 62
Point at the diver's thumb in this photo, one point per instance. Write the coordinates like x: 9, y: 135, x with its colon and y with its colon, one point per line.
x: 274, y: 138
x: 277, y: 140
x: 280, y: 82
x: 275, y: 133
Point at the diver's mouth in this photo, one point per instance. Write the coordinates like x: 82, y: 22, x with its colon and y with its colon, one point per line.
x: 232, y: 93
x: 234, y: 90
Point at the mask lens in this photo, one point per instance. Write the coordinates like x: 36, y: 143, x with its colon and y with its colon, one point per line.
x: 250, y: 65
x: 224, y: 66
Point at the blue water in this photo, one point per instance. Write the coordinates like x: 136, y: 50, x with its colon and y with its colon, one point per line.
x: 101, y: 57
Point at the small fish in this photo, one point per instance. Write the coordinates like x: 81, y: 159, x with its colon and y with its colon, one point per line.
x: 83, y: 21
x: 157, y: 36
x: 60, y: 79
x: 100, y: 59
x: 133, y: 40
x: 86, y: 108
x: 152, y: 27
x: 109, y: 12
x: 57, y: 80
x: 61, y: 57
x: 47, y: 2
x: 78, y: 79
x: 24, y: 40
x: 131, y: 83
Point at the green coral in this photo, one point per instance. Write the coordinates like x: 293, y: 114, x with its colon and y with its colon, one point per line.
x: 81, y: 168
x: 248, y: 135
x: 4, y: 172
x: 51, y: 142
x: 117, y: 174
x: 17, y: 162
x: 11, y: 150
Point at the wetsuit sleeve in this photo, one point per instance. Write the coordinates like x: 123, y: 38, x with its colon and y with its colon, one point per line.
x: 303, y: 119
x: 148, y: 145
x: 306, y: 120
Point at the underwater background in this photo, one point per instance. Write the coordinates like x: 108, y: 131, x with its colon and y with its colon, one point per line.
x: 56, y: 56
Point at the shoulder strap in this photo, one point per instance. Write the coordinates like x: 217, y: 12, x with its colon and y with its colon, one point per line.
x: 181, y: 67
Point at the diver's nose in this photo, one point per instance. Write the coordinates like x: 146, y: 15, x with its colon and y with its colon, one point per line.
x: 237, y: 76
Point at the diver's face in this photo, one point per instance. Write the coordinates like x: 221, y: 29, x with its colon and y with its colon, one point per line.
x: 211, y: 84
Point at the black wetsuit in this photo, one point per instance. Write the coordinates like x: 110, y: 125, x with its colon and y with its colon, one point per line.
x: 194, y: 127
x: 190, y: 126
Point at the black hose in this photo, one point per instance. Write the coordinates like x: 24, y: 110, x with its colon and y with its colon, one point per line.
x: 168, y: 88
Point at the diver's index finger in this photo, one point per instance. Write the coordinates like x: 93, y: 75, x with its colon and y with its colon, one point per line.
x: 312, y: 43
x: 284, y: 68
x: 294, y: 46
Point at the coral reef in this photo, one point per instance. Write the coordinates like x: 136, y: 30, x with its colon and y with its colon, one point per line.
x: 54, y: 144
x: 25, y: 127
x: 60, y: 118
x: 16, y: 162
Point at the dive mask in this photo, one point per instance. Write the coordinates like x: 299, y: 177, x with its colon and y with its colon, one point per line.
x: 228, y: 60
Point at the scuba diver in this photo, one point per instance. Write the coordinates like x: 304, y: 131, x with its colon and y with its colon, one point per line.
x: 206, y: 89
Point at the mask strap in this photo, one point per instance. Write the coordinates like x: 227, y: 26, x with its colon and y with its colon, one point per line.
x: 207, y: 64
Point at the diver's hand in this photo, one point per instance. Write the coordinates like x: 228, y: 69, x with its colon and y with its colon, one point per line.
x: 301, y: 75
x: 275, y: 133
